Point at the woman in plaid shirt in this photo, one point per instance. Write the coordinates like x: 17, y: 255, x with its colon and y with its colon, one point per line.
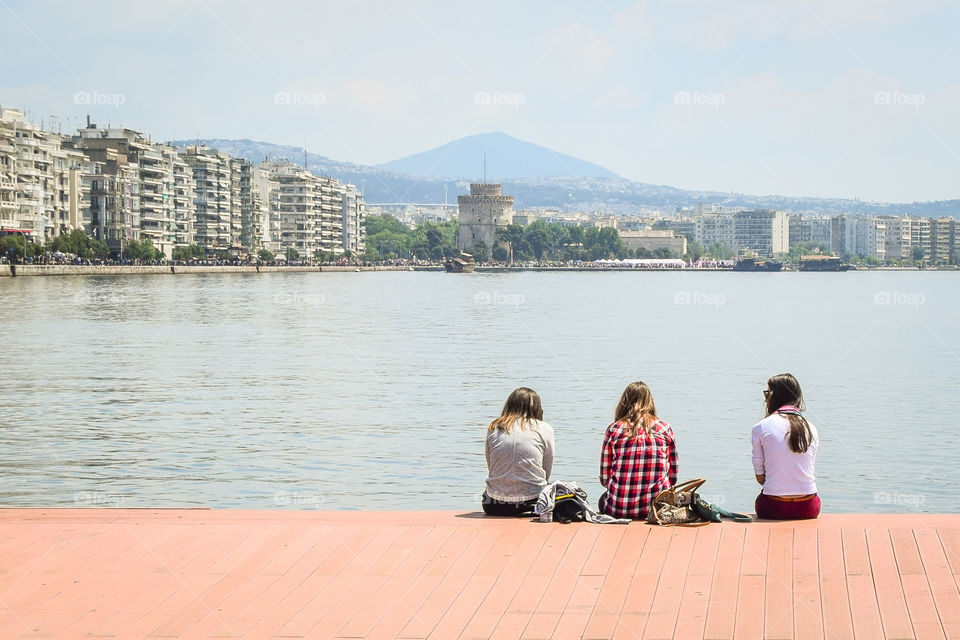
x: 639, y: 457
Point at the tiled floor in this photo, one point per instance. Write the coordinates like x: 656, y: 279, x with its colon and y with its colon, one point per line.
x: 67, y: 573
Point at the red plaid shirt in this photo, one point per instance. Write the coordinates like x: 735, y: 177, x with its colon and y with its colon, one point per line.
x: 635, y: 470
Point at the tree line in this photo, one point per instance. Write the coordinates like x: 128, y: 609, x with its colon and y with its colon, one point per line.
x: 388, y: 239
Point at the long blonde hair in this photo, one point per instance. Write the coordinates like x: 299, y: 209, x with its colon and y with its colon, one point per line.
x: 636, y: 408
x: 522, y: 406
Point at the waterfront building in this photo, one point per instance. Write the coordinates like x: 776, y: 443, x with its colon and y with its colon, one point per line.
x: 183, y: 197
x: 805, y: 229
x: 482, y: 213
x: 213, y: 198
x: 653, y: 239
x: 685, y: 227
x: 332, y: 193
x: 870, y: 238
x: 765, y: 232
x: 354, y: 215
x: 714, y: 228
x: 306, y: 212
x: 943, y: 240
x: 268, y: 189
x: 896, y: 239
x: 135, y: 187
x: 40, y: 179
x: 8, y: 177
x: 246, y: 229
x: 112, y: 206
x: 300, y: 208
x: 920, y: 235
x: 838, y: 235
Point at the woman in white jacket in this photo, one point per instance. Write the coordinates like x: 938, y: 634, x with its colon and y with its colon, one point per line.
x: 784, y: 454
x: 519, y: 452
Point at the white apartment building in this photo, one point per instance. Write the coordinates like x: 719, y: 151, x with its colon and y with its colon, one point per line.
x: 213, y: 198
x: 183, y: 196
x: 920, y: 229
x: 354, y: 215
x: 712, y: 228
x: 870, y: 238
x: 41, y: 188
x: 765, y: 232
x: 268, y: 187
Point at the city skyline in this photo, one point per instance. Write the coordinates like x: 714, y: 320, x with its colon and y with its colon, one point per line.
x: 811, y: 98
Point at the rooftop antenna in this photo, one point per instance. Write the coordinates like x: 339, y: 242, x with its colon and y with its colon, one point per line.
x: 484, y: 168
x: 304, y: 157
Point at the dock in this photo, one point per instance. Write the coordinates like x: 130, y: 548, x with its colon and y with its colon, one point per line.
x: 185, y: 573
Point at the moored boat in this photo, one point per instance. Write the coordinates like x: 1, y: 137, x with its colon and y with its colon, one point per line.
x: 461, y: 263
x: 753, y: 264
x: 823, y: 263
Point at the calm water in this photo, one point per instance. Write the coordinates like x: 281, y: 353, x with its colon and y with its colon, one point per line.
x: 372, y: 390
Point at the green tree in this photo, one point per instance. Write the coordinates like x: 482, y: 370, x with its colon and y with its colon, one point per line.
x: 695, y: 250
x: 500, y: 253
x: 720, y: 251
x: 141, y: 250
x: 292, y: 254
x: 12, y: 246
x: 513, y: 236
x: 78, y: 243
x: 266, y: 255
x: 376, y: 224
x: 919, y: 254
x: 480, y: 252
x: 188, y: 252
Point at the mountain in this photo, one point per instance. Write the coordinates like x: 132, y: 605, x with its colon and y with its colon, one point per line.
x: 507, y: 158
x: 612, y: 195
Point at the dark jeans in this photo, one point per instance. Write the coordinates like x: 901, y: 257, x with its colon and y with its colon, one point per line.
x: 769, y: 508
x: 493, y: 507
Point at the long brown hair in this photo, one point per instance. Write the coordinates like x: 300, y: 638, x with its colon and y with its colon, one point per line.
x: 785, y: 390
x: 636, y: 408
x: 522, y: 406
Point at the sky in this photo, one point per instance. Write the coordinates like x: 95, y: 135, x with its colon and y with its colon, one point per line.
x: 825, y: 98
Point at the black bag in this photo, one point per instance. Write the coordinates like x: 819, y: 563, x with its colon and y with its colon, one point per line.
x: 569, y: 508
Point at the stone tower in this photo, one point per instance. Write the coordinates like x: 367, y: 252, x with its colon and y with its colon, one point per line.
x: 482, y: 212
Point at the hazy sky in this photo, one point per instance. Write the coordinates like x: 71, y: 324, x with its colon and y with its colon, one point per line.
x: 849, y: 98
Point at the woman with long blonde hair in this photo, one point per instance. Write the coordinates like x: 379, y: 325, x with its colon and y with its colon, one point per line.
x: 519, y: 452
x: 639, y: 455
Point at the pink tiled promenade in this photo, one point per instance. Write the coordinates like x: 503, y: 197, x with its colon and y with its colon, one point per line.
x: 68, y: 573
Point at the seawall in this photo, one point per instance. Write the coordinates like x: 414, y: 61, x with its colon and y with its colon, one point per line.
x: 115, y: 270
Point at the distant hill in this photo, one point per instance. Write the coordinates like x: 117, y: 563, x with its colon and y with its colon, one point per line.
x: 507, y: 158
x: 610, y: 194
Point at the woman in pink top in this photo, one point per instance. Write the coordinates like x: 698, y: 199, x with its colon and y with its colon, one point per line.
x: 784, y: 452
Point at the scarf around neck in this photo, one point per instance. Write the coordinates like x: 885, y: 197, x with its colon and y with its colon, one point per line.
x: 789, y: 409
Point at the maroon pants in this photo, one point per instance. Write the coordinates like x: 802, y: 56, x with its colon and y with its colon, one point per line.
x: 771, y: 509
